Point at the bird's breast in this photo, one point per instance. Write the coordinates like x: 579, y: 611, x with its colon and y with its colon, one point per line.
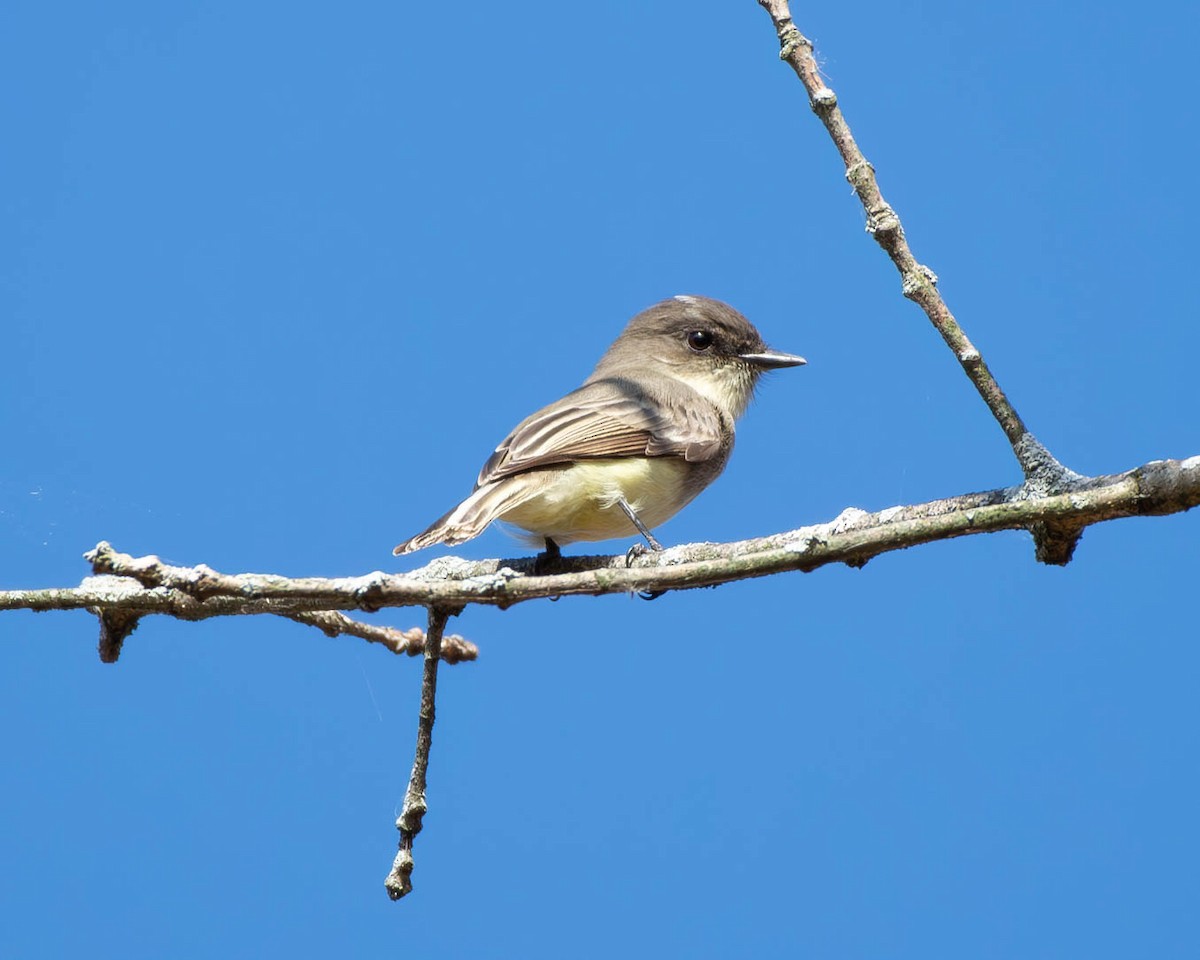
x: 580, y: 501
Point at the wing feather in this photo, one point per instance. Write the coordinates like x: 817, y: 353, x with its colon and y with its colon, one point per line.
x: 610, y: 418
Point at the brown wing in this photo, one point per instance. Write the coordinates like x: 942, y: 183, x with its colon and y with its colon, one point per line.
x: 609, y: 418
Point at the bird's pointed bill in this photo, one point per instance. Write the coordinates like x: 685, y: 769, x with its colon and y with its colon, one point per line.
x: 773, y: 359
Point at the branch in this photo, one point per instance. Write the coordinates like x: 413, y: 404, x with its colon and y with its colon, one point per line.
x: 454, y: 649
x: 412, y: 814
x: 144, y: 585
x: 919, y: 283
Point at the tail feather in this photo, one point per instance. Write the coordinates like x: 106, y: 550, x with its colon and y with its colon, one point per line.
x: 471, y: 517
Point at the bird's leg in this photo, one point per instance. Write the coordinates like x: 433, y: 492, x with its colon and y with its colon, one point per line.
x: 641, y: 527
x: 638, y: 549
x: 549, y: 557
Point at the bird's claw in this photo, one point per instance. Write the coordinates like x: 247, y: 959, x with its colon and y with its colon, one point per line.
x: 640, y: 549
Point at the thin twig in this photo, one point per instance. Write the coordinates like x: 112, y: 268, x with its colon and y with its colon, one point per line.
x: 454, y: 648
x: 412, y: 814
x: 115, y: 628
x: 919, y: 283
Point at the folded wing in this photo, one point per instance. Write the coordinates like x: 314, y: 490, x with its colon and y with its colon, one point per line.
x: 609, y: 418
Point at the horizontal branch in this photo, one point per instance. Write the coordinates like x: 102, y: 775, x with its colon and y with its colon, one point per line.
x: 145, y: 585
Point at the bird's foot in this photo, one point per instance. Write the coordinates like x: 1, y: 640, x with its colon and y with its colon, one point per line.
x: 640, y: 549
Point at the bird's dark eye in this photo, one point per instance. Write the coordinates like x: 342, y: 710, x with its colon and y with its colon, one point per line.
x: 700, y: 340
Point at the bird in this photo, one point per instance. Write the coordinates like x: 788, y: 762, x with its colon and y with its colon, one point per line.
x: 648, y: 430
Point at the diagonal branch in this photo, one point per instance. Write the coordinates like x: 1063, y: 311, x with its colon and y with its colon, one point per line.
x: 919, y: 283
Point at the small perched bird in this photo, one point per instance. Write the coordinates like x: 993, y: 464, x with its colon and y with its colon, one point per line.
x: 648, y: 430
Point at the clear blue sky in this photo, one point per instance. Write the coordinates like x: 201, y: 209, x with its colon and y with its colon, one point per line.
x: 269, y: 273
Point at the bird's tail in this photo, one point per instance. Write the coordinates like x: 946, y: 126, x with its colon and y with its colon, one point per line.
x: 471, y: 517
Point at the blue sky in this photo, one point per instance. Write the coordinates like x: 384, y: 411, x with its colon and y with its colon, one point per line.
x: 269, y: 279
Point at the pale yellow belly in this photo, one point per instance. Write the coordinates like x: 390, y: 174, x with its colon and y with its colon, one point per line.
x: 579, y: 502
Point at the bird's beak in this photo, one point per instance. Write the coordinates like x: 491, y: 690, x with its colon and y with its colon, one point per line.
x: 773, y: 360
